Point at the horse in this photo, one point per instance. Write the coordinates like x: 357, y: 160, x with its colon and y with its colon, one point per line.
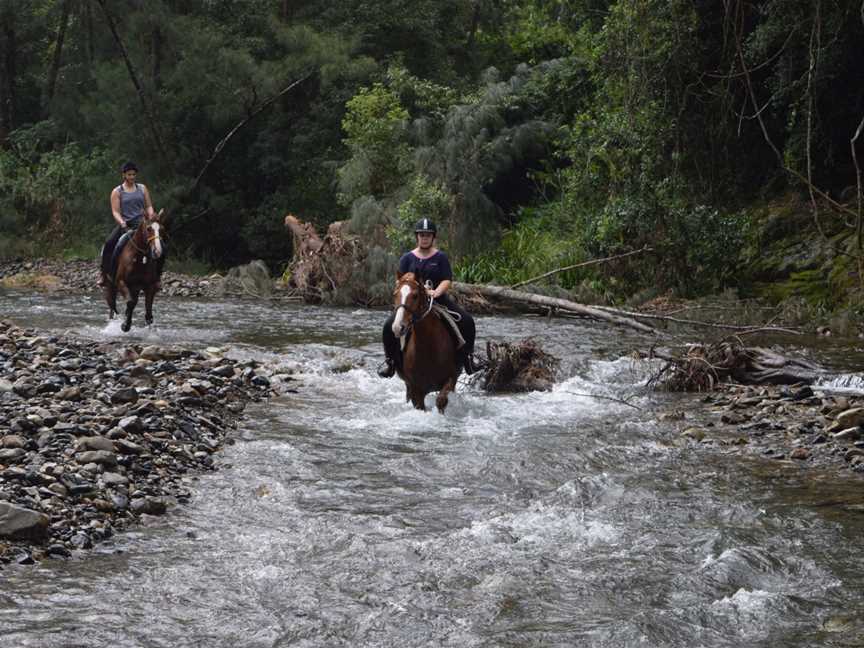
x: 139, y: 267
x: 428, y: 349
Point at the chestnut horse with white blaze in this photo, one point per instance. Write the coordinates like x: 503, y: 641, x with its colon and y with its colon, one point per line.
x: 139, y: 267
x: 428, y: 349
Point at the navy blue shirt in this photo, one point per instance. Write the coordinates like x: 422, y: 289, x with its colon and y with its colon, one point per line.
x: 435, y: 269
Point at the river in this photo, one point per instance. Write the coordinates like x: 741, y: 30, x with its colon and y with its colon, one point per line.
x: 343, y: 517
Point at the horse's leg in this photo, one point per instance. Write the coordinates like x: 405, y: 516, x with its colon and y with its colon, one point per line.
x: 110, y: 299
x: 442, y: 399
x: 130, y: 306
x: 416, y: 396
x: 149, y: 294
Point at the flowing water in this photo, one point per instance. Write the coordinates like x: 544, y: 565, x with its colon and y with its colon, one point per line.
x: 343, y: 517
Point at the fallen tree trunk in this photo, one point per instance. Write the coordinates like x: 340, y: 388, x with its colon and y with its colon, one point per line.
x: 606, y: 315
x: 702, y: 367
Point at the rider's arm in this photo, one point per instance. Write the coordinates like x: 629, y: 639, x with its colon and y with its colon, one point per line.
x: 115, y: 208
x: 446, y: 276
x: 441, y: 288
x: 148, y: 204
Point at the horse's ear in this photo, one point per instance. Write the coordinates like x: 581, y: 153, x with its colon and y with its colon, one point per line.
x: 399, y: 275
x: 161, y: 217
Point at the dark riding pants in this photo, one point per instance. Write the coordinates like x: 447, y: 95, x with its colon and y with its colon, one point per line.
x: 108, y: 249
x: 466, y: 327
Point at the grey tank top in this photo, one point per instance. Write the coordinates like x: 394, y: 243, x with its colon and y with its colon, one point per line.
x: 131, y: 204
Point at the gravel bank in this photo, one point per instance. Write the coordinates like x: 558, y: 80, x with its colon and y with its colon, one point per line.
x: 81, y: 277
x: 95, y: 436
x: 797, y: 425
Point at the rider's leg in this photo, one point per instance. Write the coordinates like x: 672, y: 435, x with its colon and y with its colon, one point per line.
x: 391, y: 350
x: 108, y: 253
x: 465, y: 355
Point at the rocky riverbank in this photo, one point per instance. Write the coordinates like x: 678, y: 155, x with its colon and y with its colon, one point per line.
x: 797, y: 425
x: 96, y: 436
x: 53, y: 275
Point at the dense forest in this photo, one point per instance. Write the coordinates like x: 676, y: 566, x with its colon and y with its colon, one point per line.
x: 538, y: 133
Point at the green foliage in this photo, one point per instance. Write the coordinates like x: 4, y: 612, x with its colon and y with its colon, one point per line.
x: 374, y: 119
x: 537, y: 32
x: 375, y: 125
x: 605, y: 125
x: 530, y: 249
x: 265, y: 236
x: 50, y: 195
x: 701, y: 248
x: 426, y: 200
x: 183, y: 263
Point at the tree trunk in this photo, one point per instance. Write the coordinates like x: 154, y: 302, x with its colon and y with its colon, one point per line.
x: 520, y: 297
x: 475, y: 24
x: 7, y: 74
x: 156, y: 53
x: 58, y: 54
x: 145, y: 103
x: 702, y: 367
x: 90, y: 47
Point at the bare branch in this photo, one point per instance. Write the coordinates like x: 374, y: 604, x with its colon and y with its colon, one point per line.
x: 677, y: 320
x: 609, y: 398
x: 580, y: 265
x: 241, y: 124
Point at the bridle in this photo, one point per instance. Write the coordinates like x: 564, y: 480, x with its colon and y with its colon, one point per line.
x: 416, y: 314
x: 146, y: 251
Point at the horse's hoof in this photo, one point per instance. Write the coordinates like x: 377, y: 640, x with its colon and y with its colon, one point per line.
x: 125, y: 327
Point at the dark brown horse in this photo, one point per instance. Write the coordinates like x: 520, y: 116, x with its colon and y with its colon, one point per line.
x: 428, y: 350
x: 139, y: 267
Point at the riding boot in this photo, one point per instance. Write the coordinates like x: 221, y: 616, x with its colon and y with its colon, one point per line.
x: 387, y: 368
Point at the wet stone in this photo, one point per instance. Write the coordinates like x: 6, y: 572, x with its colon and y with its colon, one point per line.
x: 69, y: 394
x: 128, y: 395
x: 11, y: 455
x: 95, y: 443
x: 130, y: 424
x: 12, y: 441
x: 849, y: 434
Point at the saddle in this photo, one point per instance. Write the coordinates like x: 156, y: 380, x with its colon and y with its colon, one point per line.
x: 450, y: 318
x: 121, y: 243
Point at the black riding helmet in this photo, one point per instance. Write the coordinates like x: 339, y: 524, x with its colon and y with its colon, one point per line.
x: 425, y: 226
x: 129, y: 166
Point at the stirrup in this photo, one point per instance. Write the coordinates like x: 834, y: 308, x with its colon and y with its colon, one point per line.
x: 472, y: 365
x: 387, y: 369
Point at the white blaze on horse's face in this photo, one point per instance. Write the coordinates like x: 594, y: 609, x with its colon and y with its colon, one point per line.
x: 155, y: 241
x: 398, y: 326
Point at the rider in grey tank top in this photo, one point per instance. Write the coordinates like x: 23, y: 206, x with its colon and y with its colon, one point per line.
x: 132, y: 205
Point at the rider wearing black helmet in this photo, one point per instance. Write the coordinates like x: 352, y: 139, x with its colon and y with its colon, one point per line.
x: 430, y: 264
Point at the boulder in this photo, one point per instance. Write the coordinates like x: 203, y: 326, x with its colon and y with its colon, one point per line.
x: 18, y: 523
